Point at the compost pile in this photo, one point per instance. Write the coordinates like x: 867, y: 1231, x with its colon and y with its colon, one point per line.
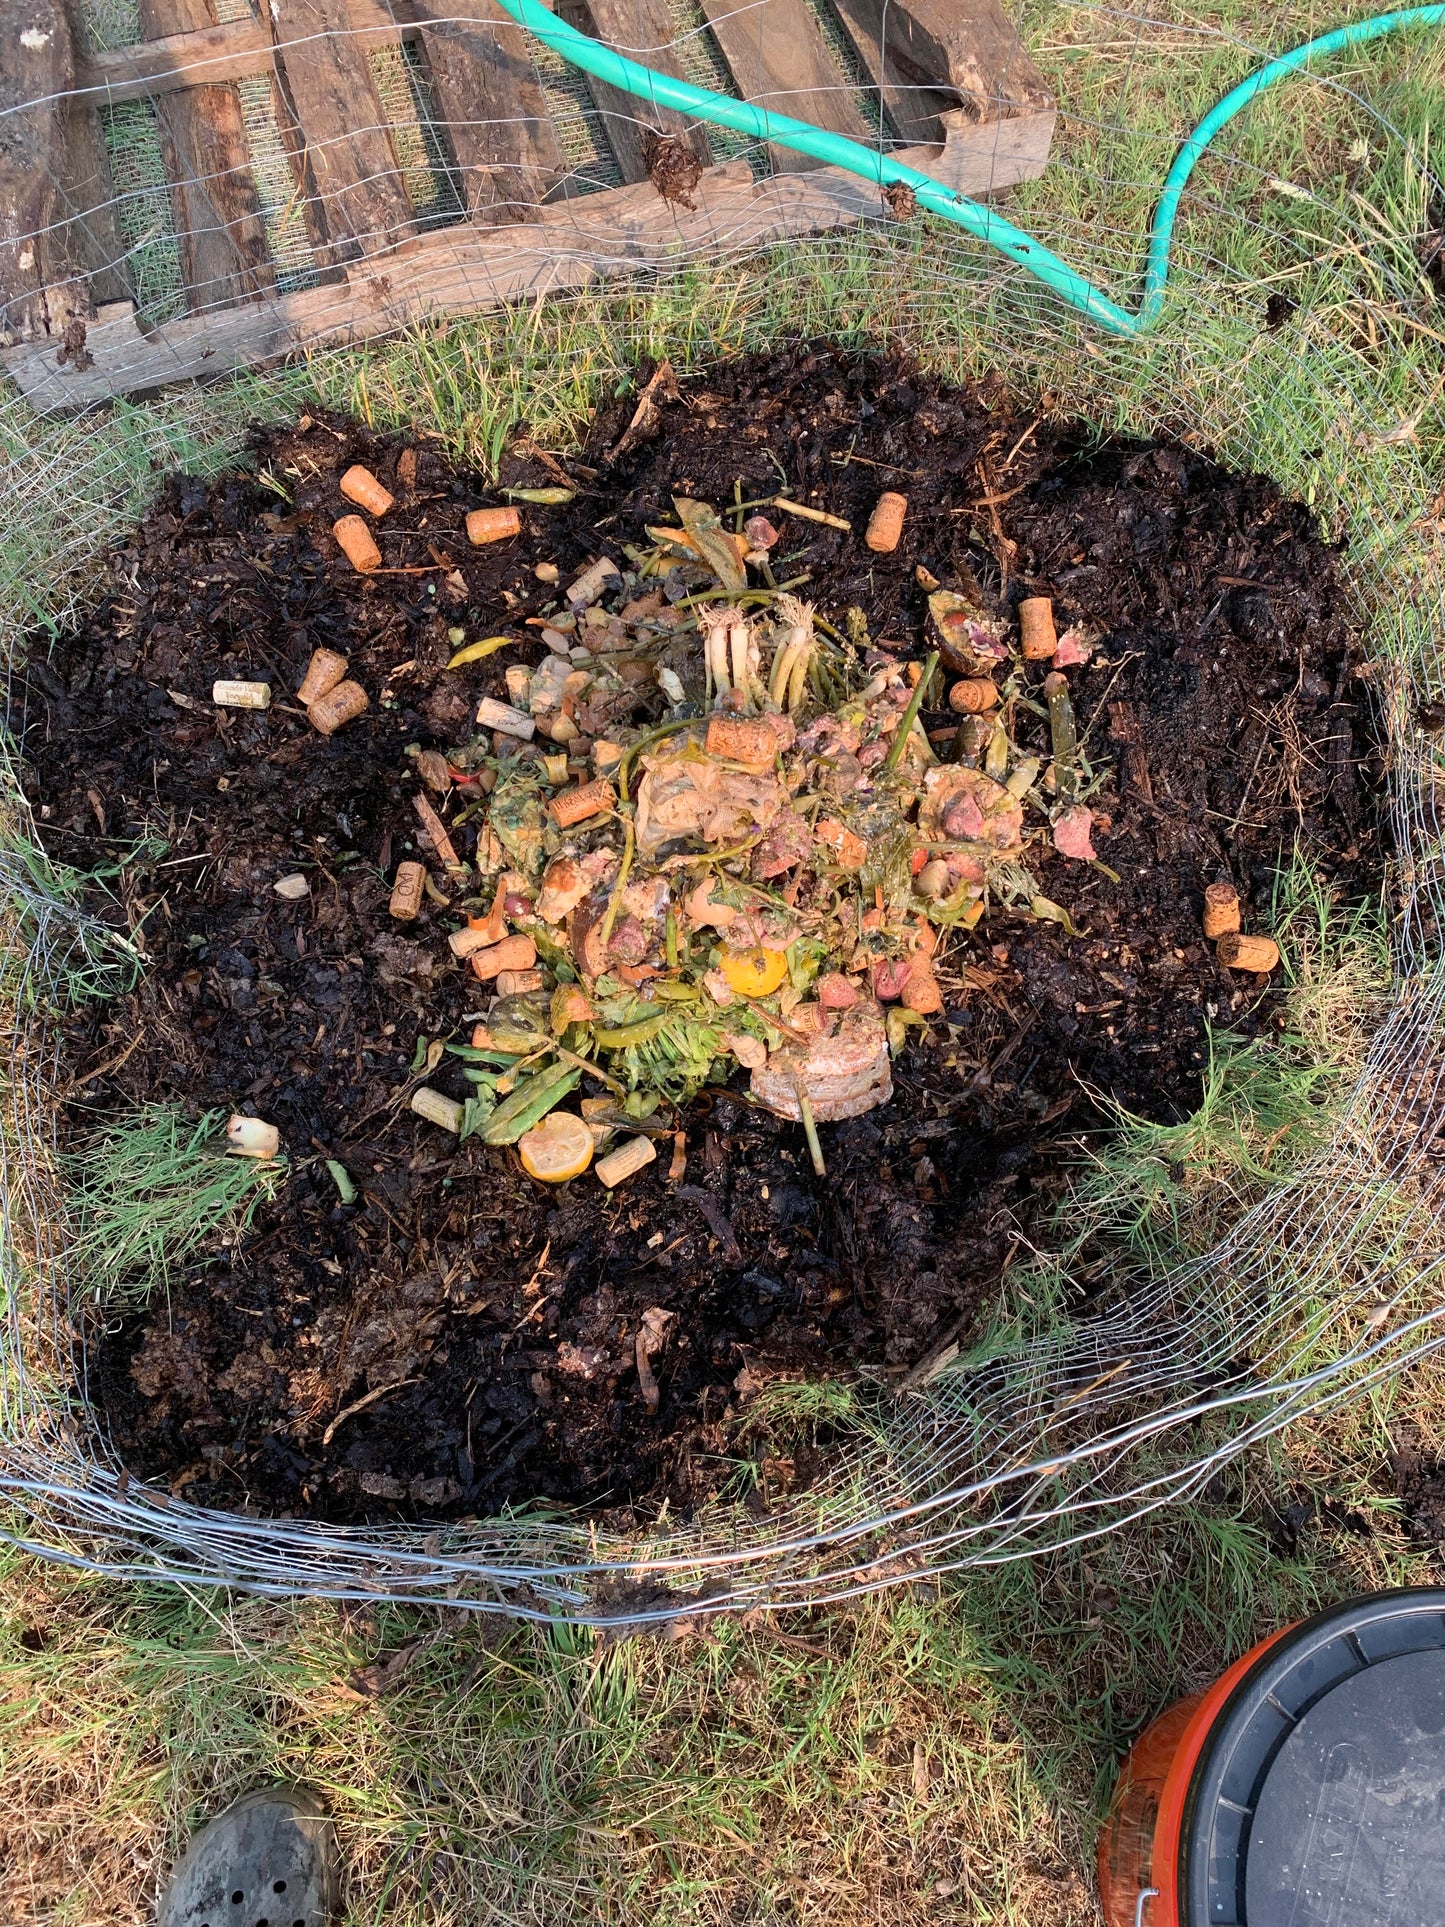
x: 792, y: 853
x: 640, y: 821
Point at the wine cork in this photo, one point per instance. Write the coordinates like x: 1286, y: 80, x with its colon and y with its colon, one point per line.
x: 625, y: 1161
x: 337, y: 707
x: 586, y: 588
x: 516, y: 983
x: 325, y: 669
x: 885, y: 524
x: 501, y: 716
x: 357, y: 543
x: 1036, y: 627
x: 576, y: 805
x: 359, y: 485
x: 492, y: 525
x: 462, y: 943
x: 973, y: 696
x: 1221, y: 910
x: 1247, y: 953
x: 742, y: 739
x: 437, y: 1109
x: 407, y: 891
x: 241, y: 695
x: 512, y: 953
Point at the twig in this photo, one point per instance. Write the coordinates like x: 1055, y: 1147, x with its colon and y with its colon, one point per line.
x: 361, y: 1405
x: 812, y: 515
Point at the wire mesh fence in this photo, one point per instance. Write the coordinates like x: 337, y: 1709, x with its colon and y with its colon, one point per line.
x: 189, y: 221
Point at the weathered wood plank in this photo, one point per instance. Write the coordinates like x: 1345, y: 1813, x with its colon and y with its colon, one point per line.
x: 643, y: 30
x: 360, y: 204
x: 87, y: 195
x: 927, y: 56
x: 227, y: 52
x: 38, y: 292
x: 154, y: 67
x: 463, y: 269
x: 493, y: 105
x: 778, y: 60
x: 207, y: 158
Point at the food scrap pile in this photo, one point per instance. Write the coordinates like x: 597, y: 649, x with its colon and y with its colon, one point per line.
x: 713, y: 832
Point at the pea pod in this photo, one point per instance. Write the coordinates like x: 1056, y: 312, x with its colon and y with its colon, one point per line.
x: 1049, y: 912
x: 475, y: 651
x: 1064, y: 736
x: 501, y: 1059
x: 631, y: 1033
x: 530, y: 1103
x: 543, y: 498
x: 675, y: 993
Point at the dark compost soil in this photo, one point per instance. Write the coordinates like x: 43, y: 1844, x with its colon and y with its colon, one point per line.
x: 1222, y: 695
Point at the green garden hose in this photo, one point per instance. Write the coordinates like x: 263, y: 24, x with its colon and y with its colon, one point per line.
x: 984, y: 223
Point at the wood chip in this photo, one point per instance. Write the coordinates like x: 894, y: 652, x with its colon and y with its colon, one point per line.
x: 437, y: 831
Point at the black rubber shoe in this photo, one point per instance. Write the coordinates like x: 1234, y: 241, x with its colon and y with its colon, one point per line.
x: 267, y: 1861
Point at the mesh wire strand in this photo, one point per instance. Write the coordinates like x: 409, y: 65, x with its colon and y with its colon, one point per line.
x: 1059, y: 1433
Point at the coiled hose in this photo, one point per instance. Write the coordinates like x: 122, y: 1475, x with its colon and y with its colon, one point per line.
x: 984, y: 223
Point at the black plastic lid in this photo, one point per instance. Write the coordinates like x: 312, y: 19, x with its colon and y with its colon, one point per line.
x: 1319, y: 1798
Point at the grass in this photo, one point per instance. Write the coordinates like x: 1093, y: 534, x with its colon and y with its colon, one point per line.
x: 150, y: 1193
x: 943, y: 1750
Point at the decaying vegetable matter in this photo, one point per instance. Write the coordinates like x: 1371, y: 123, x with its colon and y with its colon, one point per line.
x: 713, y: 832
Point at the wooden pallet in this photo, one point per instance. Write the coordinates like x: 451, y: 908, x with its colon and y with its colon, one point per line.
x: 959, y: 91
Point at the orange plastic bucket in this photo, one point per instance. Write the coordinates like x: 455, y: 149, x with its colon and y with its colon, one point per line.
x: 1308, y: 1774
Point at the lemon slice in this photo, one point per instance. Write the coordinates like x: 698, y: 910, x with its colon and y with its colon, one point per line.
x: 754, y: 972
x: 558, y: 1148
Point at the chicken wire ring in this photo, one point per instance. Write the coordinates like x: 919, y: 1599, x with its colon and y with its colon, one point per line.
x: 1059, y: 1439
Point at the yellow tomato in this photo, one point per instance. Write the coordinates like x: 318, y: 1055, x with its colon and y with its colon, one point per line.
x: 754, y: 973
x: 558, y: 1148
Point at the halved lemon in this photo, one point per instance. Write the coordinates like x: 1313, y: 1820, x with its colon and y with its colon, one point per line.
x: 754, y: 972
x: 558, y: 1148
